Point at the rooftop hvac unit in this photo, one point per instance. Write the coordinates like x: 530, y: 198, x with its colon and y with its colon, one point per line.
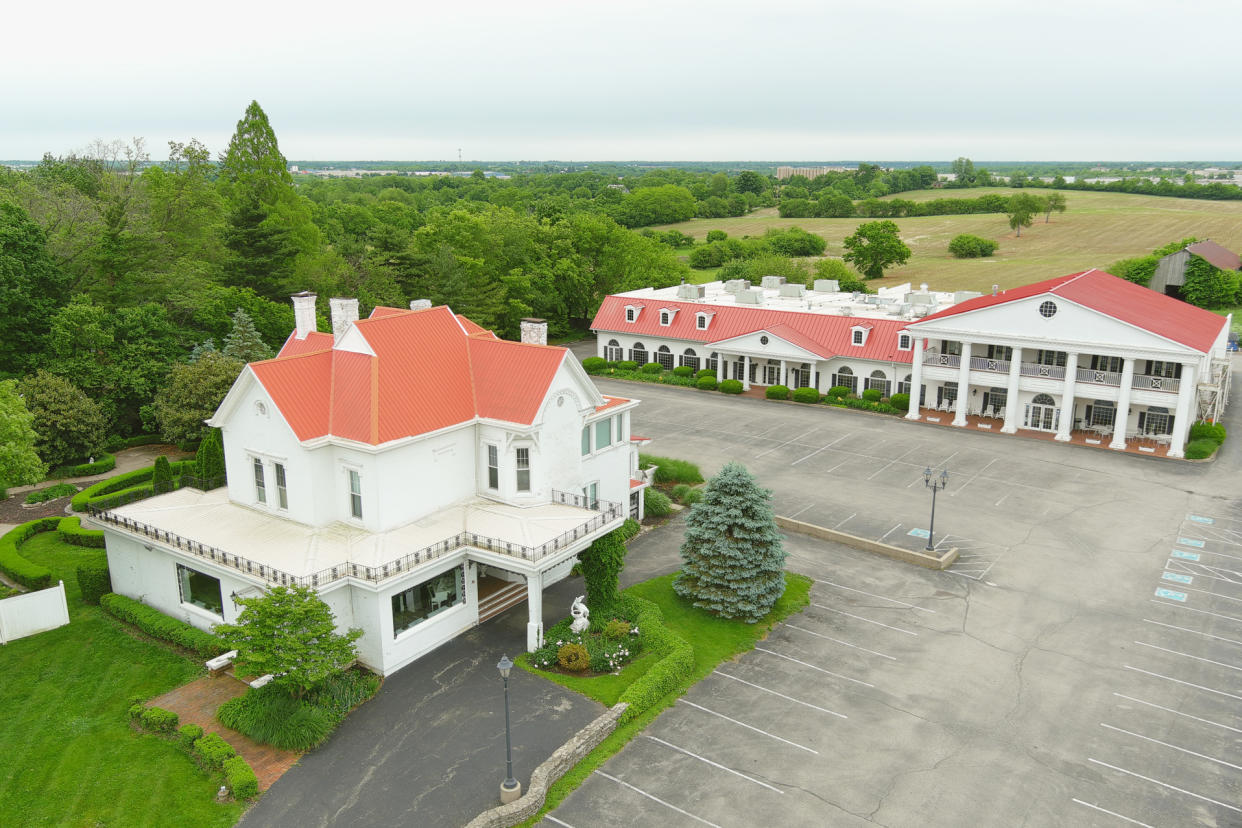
x: 772, y: 282
x: 827, y: 286
x: 920, y: 311
x: 749, y: 297
x: 795, y: 291
x: 736, y: 285
x: 690, y: 292
x: 963, y: 295
x: 920, y: 298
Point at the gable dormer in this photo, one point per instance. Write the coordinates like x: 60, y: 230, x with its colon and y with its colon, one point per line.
x: 905, y: 341
x: 667, y: 315
x: 859, y: 334
x: 702, y: 320
x: 632, y: 312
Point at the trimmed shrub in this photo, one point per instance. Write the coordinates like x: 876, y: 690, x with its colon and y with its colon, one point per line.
x: 105, y: 463
x: 27, y: 573
x: 731, y: 386
x: 628, y: 529
x: 692, y: 497
x: 70, y: 531
x: 209, y: 461
x: 901, y: 401
x: 574, y: 658
x: 123, y: 487
x: 666, y: 675
x: 679, y: 492
x: 1201, y: 449
x: 157, y: 624
x: 594, y: 365
x: 683, y: 371
x: 94, y: 580
x: 656, y: 504
x: 705, y: 372
x: 839, y: 391
x: 159, y: 720
x: 240, y: 779
x: 805, y: 395
x: 966, y: 246
x: 627, y: 365
x: 187, y: 735
x: 52, y: 493
x: 136, y: 710
x: 652, y: 368
x: 671, y: 470
x: 212, y: 751
x: 777, y: 392
x: 872, y: 395
x: 1207, y: 431
x: 706, y: 383
x: 272, y: 716
x: 161, y: 476
x: 616, y: 629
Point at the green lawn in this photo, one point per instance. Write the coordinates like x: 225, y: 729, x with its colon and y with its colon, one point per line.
x: 70, y: 757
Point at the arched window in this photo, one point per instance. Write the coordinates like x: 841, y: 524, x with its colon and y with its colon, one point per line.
x: 903, y: 386
x: 690, y: 358
x: 878, y: 380
x: 665, y: 357
x: 1043, y: 399
x: 612, y: 351
x: 639, y: 353
x: 713, y: 361
x: 845, y: 376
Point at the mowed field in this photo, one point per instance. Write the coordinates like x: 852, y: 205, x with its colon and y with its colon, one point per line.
x: 1096, y: 230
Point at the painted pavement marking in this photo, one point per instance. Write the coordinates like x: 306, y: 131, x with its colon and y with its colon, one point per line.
x: 1163, y: 784
x: 1179, y: 681
x: 803, y: 509
x: 919, y: 533
x: 1178, y: 566
x: 813, y: 667
x: 842, y: 523
x: 1192, y: 542
x: 783, y: 696
x: 1177, y: 712
x: 839, y: 641
x: 786, y: 443
x: 1188, y: 655
x: 1204, y: 612
x: 1214, y: 594
x: 1189, y: 630
x: 1187, y: 751
x: 705, y: 760
x: 1177, y: 577
x: 551, y: 818
x: 860, y: 618
x: 1111, y: 813
x: 1170, y: 594
x: 873, y: 595
x: 748, y: 727
x: 818, y: 450
x: 1186, y: 556
x: 953, y: 492
x: 1207, y: 521
x: 890, y: 462
x: 890, y: 531
x: 655, y: 799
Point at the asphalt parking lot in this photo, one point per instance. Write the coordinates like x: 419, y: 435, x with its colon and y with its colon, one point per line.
x: 1079, y: 664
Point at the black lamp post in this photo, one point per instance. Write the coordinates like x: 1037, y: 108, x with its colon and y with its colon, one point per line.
x: 510, y: 789
x: 935, y: 482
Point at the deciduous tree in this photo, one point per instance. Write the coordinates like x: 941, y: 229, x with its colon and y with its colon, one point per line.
x: 1053, y: 202
x: 70, y: 425
x: 194, y: 392
x: 19, y: 462
x: 1021, y: 210
x: 31, y: 288
x: 875, y: 246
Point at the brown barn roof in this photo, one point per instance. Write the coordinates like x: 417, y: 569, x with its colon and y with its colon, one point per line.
x: 1216, y: 255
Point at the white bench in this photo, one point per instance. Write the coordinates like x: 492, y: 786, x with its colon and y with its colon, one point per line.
x: 261, y: 680
x: 221, y: 662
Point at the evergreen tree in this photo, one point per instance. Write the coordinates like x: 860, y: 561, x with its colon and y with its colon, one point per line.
x: 70, y: 425
x: 161, y: 476
x: 601, y: 563
x: 243, y: 342
x: 209, y: 461
x: 262, y: 251
x: 734, y: 558
x: 202, y: 349
x: 253, y: 162
x: 192, y: 395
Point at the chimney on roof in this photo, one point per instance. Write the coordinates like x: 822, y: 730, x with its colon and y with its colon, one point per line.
x: 303, y: 314
x: 535, y: 331
x: 344, y: 314
x: 420, y: 304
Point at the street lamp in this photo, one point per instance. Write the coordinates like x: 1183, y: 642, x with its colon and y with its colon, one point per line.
x: 935, y: 482
x: 510, y: 789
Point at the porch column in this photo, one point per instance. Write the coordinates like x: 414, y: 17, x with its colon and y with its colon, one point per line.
x: 916, y: 380
x: 1011, y: 396
x: 1123, y: 406
x: 1067, y: 398
x: 745, y: 373
x: 784, y: 373
x: 963, y: 386
x: 534, y: 603
x: 1185, y: 397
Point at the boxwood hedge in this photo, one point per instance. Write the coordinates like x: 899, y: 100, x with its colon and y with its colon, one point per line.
x: 27, y: 573
x: 155, y: 623
x: 666, y: 675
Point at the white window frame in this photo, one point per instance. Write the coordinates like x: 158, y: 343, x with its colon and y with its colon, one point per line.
x: 520, y: 452
x: 586, y: 440
x: 606, y: 422
x: 280, y: 475
x: 353, y: 475
x: 260, y: 480
x: 493, y: 466
x: 632, y: 312
x: 858, y: 335
x: 590, y: 494
x: 905, y: 341
x: 618, y: 428
x: 613, y: 352
x: 667, y: 315
x: 702, y: 320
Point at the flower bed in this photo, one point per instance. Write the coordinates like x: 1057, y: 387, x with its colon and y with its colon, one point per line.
x: 607, y: 648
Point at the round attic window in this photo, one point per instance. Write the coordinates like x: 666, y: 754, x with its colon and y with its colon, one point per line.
x: 1048, y: 310
x: 560, y: 401
x: 763, y: 340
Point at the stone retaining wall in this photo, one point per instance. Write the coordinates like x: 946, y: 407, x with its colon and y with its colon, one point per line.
x: 556, y: 766
x: 923, y: 559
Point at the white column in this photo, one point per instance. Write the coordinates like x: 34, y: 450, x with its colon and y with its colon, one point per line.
x: 534, y: 604
x: 1011, y: 396
x: 963, y: 386
x: 1123, y: 406
x: 1186, y: 390
x: 745, y: 373
x: 1067, y: 399
x: 784, y: 373
x: 916, y: 379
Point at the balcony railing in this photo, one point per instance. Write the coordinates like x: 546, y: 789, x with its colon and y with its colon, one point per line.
x: 999, y: 366
x: 936, y: 358
x: 1034, y: 369
x: 607, y: 512
x: 1095, y: 377
x: 1145, y: 382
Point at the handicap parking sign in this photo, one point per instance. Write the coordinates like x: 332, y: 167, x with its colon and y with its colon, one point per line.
x: 1171, y: 595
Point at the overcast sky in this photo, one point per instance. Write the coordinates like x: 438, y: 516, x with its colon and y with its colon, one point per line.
x: 673, y: 80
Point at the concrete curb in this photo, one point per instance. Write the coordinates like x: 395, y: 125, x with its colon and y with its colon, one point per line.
x: 896, y: 552
x: 556, y: 766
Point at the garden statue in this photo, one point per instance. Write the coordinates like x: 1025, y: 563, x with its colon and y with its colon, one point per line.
x: 581, y: 616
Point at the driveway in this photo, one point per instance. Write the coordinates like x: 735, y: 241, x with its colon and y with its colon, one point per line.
x: 1078, y: 665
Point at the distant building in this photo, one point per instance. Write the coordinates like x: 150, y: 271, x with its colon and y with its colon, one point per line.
x: 783, y: 173
x: 1171, y: 270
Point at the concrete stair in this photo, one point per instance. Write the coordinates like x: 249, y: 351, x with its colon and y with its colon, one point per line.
x: 501, y: 600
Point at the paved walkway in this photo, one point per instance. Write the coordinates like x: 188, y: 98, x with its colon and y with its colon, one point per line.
x: 197, y: 702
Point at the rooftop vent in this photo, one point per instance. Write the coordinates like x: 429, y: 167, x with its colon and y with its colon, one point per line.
x: 772, y: 282
x: 736, y: 285
x: 749, y: 297
x: 827, y: 286
x: 795, y: 291
x: 685, y: 291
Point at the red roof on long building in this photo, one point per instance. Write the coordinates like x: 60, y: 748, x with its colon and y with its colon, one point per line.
x: 822, y: 334
x: 1108, y: 295
x: 430, y: 370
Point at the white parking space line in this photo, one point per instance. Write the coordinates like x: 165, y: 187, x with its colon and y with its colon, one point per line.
x: 890, y: 531
x: 889, y: 463
x: 786, y: 443
x: 1218, y: 554
x: 860, y: 618
x: 1111, y: 813
x: 551, y: 818
x: 1174, y: 747
x: 1189, y: 630
x: 818, y: 450
x: 873, y: 595
x: 1208, y: 592
x: 1188, y: 655
x: 953, y: 492
x: 656, y: 799
x: 748, y: 727
x: 705, y: 760
x: 783, y: 696
x: 1192, y: 609
x: 852, y: 514
x: 1179, y: 681
x: 1162, y: 784
x: 813, y: 667
x: 803, y: 509
x: 838, y: 465
x: 1183, y: 568
x: 1177, y: 712
x: 839, y: 641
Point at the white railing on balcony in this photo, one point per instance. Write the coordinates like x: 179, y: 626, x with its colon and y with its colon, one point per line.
x: 947, y: 360
x: 1095, y: 377
x: 999, y: 366
x: 1144, y: 382
x: 1033, y: 369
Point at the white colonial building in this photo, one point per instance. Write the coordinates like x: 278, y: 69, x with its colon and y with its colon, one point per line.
x: 419, y: 473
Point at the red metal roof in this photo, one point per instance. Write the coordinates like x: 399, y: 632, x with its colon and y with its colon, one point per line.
x: 429, y: 371
x: 823, y: 334
x: 610, y: 402
x: 1125, y: 301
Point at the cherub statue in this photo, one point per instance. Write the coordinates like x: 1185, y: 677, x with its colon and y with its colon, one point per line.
x: 581, y: 615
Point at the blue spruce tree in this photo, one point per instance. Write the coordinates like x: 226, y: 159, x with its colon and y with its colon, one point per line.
x: 734, y: 558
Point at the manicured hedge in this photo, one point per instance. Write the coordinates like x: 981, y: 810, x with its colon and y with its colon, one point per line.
x: 213, y: 751
x: 777, y: 392
x: 1201, y: 449
x: 155, y: 623
x: 594, y: 365
x: 839, y: 391
x: 705, y: 372
x: 805, y: 395
x: 627, y: 365
x: 121, y: 489
x: 105, y: 463
x: 240, y: 778
x: 187, y: 735
x: 70, y: 530
x: 652, y: 368
x: 707, y: 383
x: 731, y: 386
x: 159, y: 720
x: 51, y: 493
x: 666, y: 675
x: 901, y: 401
x: 27, y: 573
x: 1207, y: 431
x: 95, y: 581
x: 873, y: 395
x: 868, y: 405
x: 683, y: 371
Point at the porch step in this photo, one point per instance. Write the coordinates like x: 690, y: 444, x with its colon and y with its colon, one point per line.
x: 501, y: 600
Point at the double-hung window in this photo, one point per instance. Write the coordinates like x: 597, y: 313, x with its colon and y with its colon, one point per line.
x: 355, y: 494
x: 493, y: 467
x: 282, y: 490
x: 590, y: 493
x: 603, y: 433
x: 586, y: 440
x: 523, y: 470
x: 260, y: 484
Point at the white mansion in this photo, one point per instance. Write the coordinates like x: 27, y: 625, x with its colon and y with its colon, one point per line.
x: 1061, y: 356
x: 419, y: 473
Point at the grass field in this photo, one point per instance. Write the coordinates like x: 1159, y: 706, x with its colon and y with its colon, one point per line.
x: 70, y: 757
x: 1096, y: 230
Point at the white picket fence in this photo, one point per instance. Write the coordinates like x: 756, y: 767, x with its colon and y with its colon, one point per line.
x: 34, y: 612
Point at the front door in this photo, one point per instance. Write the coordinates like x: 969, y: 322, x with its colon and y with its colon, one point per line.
x: 1042, y: 417
x: 771, y: 374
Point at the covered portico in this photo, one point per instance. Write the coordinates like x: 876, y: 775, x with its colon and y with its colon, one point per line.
x: 765, y: 357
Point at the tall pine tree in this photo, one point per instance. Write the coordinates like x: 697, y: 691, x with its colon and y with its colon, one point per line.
x: 734, y: 558
x: 243, y: 342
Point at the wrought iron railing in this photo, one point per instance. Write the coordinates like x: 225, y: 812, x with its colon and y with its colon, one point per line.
x: 607, y: 513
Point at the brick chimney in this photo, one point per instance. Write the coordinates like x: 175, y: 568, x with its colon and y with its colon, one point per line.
x: 535, y: 331
x: 303, y: 314
x: 344, y: 314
